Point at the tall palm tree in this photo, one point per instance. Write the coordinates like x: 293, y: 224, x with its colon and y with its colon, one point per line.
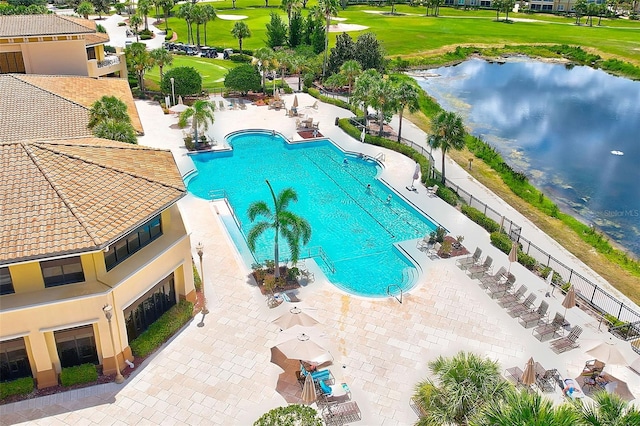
x: 266, y: 60
x: 291, y: 6
x: 208, y: 14
x: 351, y: 69
x: 186, y: 12
x: 284, y: 58
x: 292, y: 227
x: 166, y: 5
x: 240, y: 31
x: 463, y: 385
x: 201, y: 114
x: 144, y: 6
x: 363, y: 90
x: 199, y: 19
x: 115, y: 130
x: 448, y: 133
x: 609, y: 410
x: 406, y: 95
x: 298, y: 63
x: 139, y: 60
x: 524, y: 408
x: 108, y: 108
x: 328, y: 8
x: 382, y: 99
x: 135, y: 21
x: 161, y: 57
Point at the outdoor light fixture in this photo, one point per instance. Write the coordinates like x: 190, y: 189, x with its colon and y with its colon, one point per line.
x: 108, y: 313
x: 173, y: 90
x: 200, y: 251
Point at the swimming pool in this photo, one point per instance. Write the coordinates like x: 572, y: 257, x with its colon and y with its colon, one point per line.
x: 355, y: 227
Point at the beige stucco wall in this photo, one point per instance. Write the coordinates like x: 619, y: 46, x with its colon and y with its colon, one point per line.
x: 68, y: 57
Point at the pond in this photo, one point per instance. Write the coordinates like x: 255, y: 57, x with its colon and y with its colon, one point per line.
x: 574, y: 131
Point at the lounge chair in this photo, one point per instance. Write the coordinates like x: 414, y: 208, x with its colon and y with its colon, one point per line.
x: 524, y: 307
x: 502, y: 289
x: 470, y: 260
x: 546, y: 379
x: 314, y: 106
x: 593, y: 366
x: 432, y: 190
x: 510, y: 299
x: 221, y: 104
x: 514, y: 375
x: 287, y: 297
x: 341, y: 414
x: 424, y: 243
x: 533, y: 318
x: 479, y: 270
x: 243, y: 106
x: 549, y: 330
x: 499, y: 277
x: 564, y: 344
x: 432, y: 253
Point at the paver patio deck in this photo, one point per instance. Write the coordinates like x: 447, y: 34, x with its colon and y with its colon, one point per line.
x: 220, y: 373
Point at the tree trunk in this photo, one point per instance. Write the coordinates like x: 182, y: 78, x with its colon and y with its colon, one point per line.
x: 443, y: 152
x: 380, y: 122
x: 400, y: 125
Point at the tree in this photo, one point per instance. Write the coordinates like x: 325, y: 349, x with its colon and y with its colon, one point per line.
x: 161, y: 57
x: 240, y: 31
x: 369, y: 52
x: 186, y: 81
x: 498, y: 5
x: 314, y: 33
x: 276, y: 31
x: 381, y: 97
x: 351, y: 70
x: 108, y: 108
x: 290, y: 415
x: 201, y: 115
x: 462, y: 386
x: 296, y: 25
x: 139, y: 60
x: 343, y: 51
x: 335, y: 81
x: 114, y: 130
x: 580, y: 9
x: 363, y: 90
x: 198, y: 18
x: 526, y: 409
x: 284, y: 58
x: 448, y: 133
x: 208, y: 14
x: 119, y: 7
x: 285, y: 223
x: 407, y: 97
x: 166, y: 5
x: 135, y: 21
x: 85, y: 9
x: 243, y: 78
x: 297, y: 63
x: 292, y: 7
x: 186, y: 12
x: 144, y: 6
x: 101, y: 6
x: 608, y: 410
x: 328, y: 8
x: 265, y: 59
x: 507, y: 5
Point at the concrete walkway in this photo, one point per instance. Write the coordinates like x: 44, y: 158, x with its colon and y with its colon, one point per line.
x: 220, y: 373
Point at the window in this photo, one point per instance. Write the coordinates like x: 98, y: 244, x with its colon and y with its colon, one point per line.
x: 126, y: 246
x: 76, y: 346
x: 148, y: 308
x: 547, y: 7
x: 11, y: 62
x: 560, y: 8
x: 14, y: 362
x: 62, y: 271
x: 91, y: 53
x: 6, y: 284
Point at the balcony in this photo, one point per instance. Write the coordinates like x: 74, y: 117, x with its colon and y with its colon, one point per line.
x: 114, y: 63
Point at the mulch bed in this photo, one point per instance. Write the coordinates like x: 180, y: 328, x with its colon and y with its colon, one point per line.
x: 308, y: 134
x: 289, y: 285
x: 455, y: 251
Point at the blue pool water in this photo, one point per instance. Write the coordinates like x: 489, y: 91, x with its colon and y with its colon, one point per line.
x: 355, y: 228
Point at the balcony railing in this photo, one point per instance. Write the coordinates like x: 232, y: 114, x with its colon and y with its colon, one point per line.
x: 108, y: 61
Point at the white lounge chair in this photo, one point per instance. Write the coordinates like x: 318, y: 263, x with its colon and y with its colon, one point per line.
x: 431, y: 190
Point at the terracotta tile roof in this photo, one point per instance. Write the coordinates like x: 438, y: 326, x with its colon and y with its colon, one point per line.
x: 96, y: 38
x: 41, y: 25
x: 68, y: 196
x: 40, y: 107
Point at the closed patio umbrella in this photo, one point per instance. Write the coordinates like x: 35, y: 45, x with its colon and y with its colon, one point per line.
x: 549, y: 284
x: 513, y: 255
x: 309, y: 391
x: 608, y: 353
x: 569, y: 300
x: 363, y: 134
x: 295, y: 101
x: 529, y: 375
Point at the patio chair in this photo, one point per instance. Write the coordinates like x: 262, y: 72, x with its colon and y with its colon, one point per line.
x: 498, y: 278
x: 501, y: 289
x: 510, y: 299
x: 514, y: 375
x: 432, y: 253
x: 478, y: 270
x: 564, y: 344
x: 546, y: 379
x: 533, y: 318
x: 341, y: 414
x: 469, y: 261
x: 432, y: 190
x: 549, y: 330
x: 524, y: 307
x: 424, y: 243
x: 593, y: 366
x: 221, y: 104
x: 243, y: 106
x: 314, y: 106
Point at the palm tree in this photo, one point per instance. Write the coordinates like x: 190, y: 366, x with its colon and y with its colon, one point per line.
x: 161, y: 57
x: 266, y: 60
x: 363, y: 90
x: 284, y: 58
x: 85, y: 9
x: 406, y: 95
x: 208, y: 14
x: 166, y: 8
x: 609, y: 410
x: 351, y: 69
x: 199, y: 18
x: 291, y: 6
x: 135, y: 21
x: 115, y: 130
x: 138, y: 60
x: 186, y: 12
x: 328, y: 8
x: 382, y: 99
x: 240, y: 31
x: 144, y: 6
x: 108, y: 108
x: 298, y: 63
x: 463, y: 385
x: 283, y: 222
x: 448, y: 132
x: 526, y: 409
x: 201, y: 114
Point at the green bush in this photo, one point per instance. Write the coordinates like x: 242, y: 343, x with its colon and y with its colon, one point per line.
x: 145, y: 37
x: 85, y: 373
x: 122, y: 24
x: 481, y: 219
x: 501, y: 241
x: 161, y: 330
x: 21, y: 386
x: 197, y: 281
x: 238, y: 57
x: 527, y: 261
x: 169, y: 35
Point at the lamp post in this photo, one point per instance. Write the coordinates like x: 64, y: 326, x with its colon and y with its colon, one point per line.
x: 108, y: 312
x: 173, y: 89
x: 200, y: 251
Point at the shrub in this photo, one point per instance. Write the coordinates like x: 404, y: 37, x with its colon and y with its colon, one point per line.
x: 501, y: 241
x: 21, y: 386
x: 169, y: 35
x: 145, y: 37
x: 122, y: 24
x: 161, y: 330
x: 85, y: 373
x: 238, y: 57
x: 197, y: 281
x: 481, y: 219
x: 527, y: 261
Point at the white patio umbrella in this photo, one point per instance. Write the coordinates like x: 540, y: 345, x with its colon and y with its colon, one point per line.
x: 178, y: 108
x: 363, y: 134
x: 295, y: 316
x: 608, y: 353
x: 513, y: 255
x: 309, y: 395
x: 549, y: 284
x: 303, y: 348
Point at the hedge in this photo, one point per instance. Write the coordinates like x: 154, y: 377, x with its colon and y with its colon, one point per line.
x: 21, y: 386
x: 161, y: 330
x: 501, y: 241
x: 481, y: 219
x: 169, y: 35
x: 85, y: 373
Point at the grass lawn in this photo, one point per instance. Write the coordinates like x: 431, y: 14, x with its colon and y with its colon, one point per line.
x: 212, y: 71
x: 411, y: 32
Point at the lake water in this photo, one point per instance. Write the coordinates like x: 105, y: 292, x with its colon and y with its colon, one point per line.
x: 575, y: 132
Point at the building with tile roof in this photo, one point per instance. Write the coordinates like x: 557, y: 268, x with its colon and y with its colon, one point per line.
x: 56, y: 45
x: 84, y: 222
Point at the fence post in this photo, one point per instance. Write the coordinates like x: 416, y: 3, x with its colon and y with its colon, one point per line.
x: 570, y: 274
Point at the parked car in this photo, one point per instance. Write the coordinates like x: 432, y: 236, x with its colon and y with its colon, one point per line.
x: 226, y: 53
